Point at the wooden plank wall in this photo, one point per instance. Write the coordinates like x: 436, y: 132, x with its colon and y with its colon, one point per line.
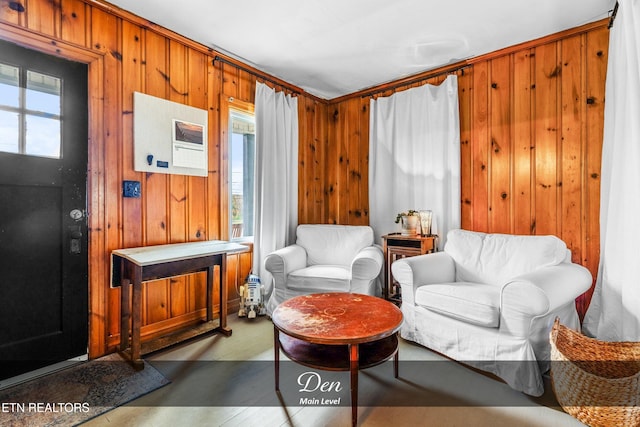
x: 128, y: 54
x: 531, y: 122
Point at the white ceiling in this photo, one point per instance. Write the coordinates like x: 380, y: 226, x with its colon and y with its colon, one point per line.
x: 332, y: 48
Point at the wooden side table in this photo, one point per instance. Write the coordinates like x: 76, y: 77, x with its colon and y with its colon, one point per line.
x: 396, y: 246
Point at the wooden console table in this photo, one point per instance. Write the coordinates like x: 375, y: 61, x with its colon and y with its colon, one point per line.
x: 136, y: 265
x: 396, y: 246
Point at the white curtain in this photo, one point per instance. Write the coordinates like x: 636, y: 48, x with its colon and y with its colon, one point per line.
x: 614, y: 313
x: 276, y: 175
x: 414, y: 157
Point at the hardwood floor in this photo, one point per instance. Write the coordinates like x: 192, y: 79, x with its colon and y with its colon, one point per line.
x: 252, y: 340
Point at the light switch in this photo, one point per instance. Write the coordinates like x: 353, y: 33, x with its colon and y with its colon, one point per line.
x: 130, y: 188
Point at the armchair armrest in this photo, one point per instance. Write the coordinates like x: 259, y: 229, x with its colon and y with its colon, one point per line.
x: 365, y: 270
x: 367, y: 264
x: 281, y: 262
x: 540, y: 292
x: 413, y: 272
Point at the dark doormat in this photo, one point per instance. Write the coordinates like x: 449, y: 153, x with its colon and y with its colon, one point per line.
x: 77, y: 394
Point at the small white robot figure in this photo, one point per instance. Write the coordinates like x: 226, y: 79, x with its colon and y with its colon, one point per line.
x: 252, y: 298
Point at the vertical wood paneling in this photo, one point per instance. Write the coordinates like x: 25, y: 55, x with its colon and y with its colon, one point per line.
x: 596, y: 53
x: 155, y: 187
x: 500, y: 151
x: 312, y: 161
x: 320, y: 135
x: 73, y: 21
x: 11, y: 16
x: 197, y: 89
x: 246, y: 86
x: 43, y: 16
x: 480, y: 146
x: 333, y: 166
x: 318, y: 132
x: 356, y: 194
x: 305, y: 162
x: 229, y: 80
x: 362, y: 213
x: 546, y: 74
x: 132, y: 68
x: 465, y: 79
x: 343, y: 177
x: 214, y: 80
x: 572, y: 136
x: 522, y: 143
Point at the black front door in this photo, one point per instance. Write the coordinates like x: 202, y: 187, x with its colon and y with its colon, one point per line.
x: 43, y: 232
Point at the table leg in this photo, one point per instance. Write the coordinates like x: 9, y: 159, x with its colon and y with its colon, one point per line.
x: 387, y: 273
x: 136, y: 322
x: 210, y: 293
x: 353, y: 365
x: 223, y: 296
x: 396, y: 363
x: 125, y: 313
x: 276, y: 356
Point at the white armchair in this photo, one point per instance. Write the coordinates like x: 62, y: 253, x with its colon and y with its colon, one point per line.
x: 326, y: 258
x: 490, y: 300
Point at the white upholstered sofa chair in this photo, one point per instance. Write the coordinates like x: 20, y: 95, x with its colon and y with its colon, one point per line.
x: 490, y: 300
x: 326, y: 258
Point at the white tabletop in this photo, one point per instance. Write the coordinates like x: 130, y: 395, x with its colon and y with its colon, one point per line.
x: 158, y: 254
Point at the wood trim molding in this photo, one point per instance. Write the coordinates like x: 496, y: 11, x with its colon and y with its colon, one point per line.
x: 228, y: 103
x: 46, y: 44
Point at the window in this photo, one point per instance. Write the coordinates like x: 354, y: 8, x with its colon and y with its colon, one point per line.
x: 242, y: 158
x: 30, y: 112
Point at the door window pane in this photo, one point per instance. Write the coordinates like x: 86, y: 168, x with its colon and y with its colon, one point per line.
x: 9, y: 132
x: 9, y: 85
x: 42, y: 136
x: 43, y: 93
x: 30, y: 112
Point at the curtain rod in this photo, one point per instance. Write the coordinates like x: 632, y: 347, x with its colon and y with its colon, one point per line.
x: 253, y: 73
x: 613, y: 15
x: 424, y: 77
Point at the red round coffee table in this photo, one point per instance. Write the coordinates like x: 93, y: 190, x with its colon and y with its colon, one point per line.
x: 337, y: 332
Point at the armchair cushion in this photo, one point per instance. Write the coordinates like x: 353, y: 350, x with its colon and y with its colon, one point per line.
x: 333, y: 244
x: 320, y: 278
x: 496, y: 258
x: 474, y: 303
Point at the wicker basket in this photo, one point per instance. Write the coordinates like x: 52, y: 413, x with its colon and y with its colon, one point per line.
x: 597, y: 382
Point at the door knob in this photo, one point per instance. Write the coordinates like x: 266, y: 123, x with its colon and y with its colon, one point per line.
x: 76, y: 214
